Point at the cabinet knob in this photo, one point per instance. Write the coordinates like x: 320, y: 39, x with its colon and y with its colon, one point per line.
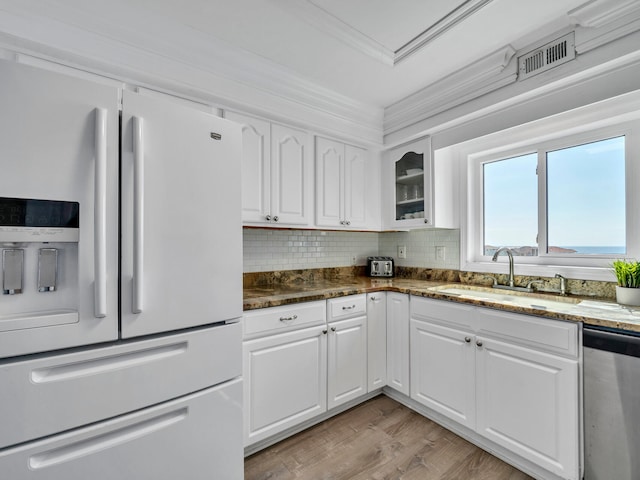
x: 341, y: 222
x: 333, y: 329
x: 275, y: 219
x: 426, y: 220
x: 479, y: 343
x: 268, y: 218
x: 324, y: 332
x: 467, y: 339
x: 348, y: 222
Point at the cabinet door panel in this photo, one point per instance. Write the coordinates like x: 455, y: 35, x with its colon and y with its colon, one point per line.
x: 329, y: 182
x: 355, y: 186
x: 398, y: 342
x: 285, y: 378
x: 527, y: 402
x: 443, y: 370
x: 377, y: 340
x: 256, y: 169
x: 403, y: 201
x: 290, y: 176
x: 347, y: 350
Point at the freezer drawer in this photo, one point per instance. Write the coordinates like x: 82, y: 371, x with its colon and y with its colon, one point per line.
x: 196, y: 437
x: 50, y: 394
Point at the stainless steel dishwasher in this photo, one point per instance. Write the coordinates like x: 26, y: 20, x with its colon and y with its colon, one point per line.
x: 611, y: 405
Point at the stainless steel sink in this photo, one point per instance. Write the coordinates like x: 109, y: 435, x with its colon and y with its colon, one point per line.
x: 530, y: 300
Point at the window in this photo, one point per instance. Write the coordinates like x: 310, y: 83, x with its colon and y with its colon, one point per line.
x: 586, y: 199
x: 511, y: 205
x: 563, y: 202
x: 583, y: 188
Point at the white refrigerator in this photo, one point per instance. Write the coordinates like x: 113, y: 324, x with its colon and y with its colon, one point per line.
x: 121, y: 242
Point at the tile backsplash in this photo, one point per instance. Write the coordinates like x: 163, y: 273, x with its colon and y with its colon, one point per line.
x: 269, y: 250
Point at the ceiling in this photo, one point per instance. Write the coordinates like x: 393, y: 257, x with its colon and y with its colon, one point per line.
x: 374, y: 52
x: 350, y: 46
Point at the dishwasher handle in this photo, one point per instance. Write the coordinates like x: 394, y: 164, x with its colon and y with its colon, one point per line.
x: 616, y: 342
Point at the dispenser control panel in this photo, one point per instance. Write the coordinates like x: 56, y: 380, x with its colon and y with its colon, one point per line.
x: 30, y: 220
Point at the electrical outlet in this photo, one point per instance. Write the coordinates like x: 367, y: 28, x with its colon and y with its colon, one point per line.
x: 440, y: 252
x: 402, y: 251
x: 354, y: 260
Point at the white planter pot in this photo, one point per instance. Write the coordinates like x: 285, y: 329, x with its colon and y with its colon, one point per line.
x: 628, y: 296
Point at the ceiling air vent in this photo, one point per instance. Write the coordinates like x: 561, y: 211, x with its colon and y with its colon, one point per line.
x: 547, y: 56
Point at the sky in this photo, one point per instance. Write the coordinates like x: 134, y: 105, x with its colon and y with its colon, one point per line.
x: 585, y: 199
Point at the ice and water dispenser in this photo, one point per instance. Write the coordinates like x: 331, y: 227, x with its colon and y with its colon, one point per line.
x: 39, y: 245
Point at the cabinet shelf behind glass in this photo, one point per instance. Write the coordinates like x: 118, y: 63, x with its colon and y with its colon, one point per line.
x: 409, y: 176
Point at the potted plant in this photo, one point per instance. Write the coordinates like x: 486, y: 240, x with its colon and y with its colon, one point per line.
x: 628, y: 276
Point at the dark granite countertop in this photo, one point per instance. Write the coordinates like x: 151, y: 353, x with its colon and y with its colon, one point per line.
x: 589, y: 310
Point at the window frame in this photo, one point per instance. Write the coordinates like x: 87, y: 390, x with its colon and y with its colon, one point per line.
x: 541, y: 138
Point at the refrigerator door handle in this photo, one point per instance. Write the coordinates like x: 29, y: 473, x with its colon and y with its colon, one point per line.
x: 138, y: 214
x: 100, y: 215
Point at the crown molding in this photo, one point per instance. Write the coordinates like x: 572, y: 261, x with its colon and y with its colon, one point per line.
x: 198, y: 66
x: 483, y: 76
x: 603, y: 21
x: 453, y: 18
x: 598, y: 13
x: 331, y: 25
x: 325, y: 22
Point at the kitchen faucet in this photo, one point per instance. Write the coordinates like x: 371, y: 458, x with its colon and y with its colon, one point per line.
x: 563, y: 284
x: 509, y: 253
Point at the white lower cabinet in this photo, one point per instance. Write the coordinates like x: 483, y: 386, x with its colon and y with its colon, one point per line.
x: 347, y: 360
x: 398, y: 341
x: 376, y: 340
x: 300, y: 360
x: 285, y: 373
x: 442, y: 369
x: 511, y: 378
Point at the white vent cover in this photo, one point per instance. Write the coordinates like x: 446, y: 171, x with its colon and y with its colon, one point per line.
x: 547, y: 56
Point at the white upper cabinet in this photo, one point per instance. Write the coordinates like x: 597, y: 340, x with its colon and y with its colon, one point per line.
x: 408, y: 188
x: 342, y: 177
x: 276, y: 173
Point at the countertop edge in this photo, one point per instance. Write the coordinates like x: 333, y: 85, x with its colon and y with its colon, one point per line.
x: 422, y: 288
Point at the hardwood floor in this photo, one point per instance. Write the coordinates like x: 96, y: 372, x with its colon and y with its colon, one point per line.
x: 379, y: 440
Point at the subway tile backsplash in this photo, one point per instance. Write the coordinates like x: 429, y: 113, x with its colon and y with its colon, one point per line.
x: 269, y: 250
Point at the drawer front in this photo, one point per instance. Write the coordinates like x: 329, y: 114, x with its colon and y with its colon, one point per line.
x: 346, y: 307
x: 555, y: 336
x: 47, y: 395
x: 267, y: 321
x: 444, y: 312
x: 196, y: 437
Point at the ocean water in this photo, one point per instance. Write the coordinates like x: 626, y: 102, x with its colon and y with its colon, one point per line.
x: 603, y: 250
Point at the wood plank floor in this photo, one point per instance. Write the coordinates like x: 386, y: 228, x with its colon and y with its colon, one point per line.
x: 378, y: 440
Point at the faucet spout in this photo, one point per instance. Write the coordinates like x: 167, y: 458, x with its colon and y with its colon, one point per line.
x: 563, y: 284
x: 510, y: 255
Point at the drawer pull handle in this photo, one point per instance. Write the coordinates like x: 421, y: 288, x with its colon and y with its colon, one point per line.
x: 349, y: 308
x: 288, y: 319
x: 82, y: 448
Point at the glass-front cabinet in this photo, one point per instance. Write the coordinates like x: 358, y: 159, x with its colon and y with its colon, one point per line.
x: 408, y: 173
